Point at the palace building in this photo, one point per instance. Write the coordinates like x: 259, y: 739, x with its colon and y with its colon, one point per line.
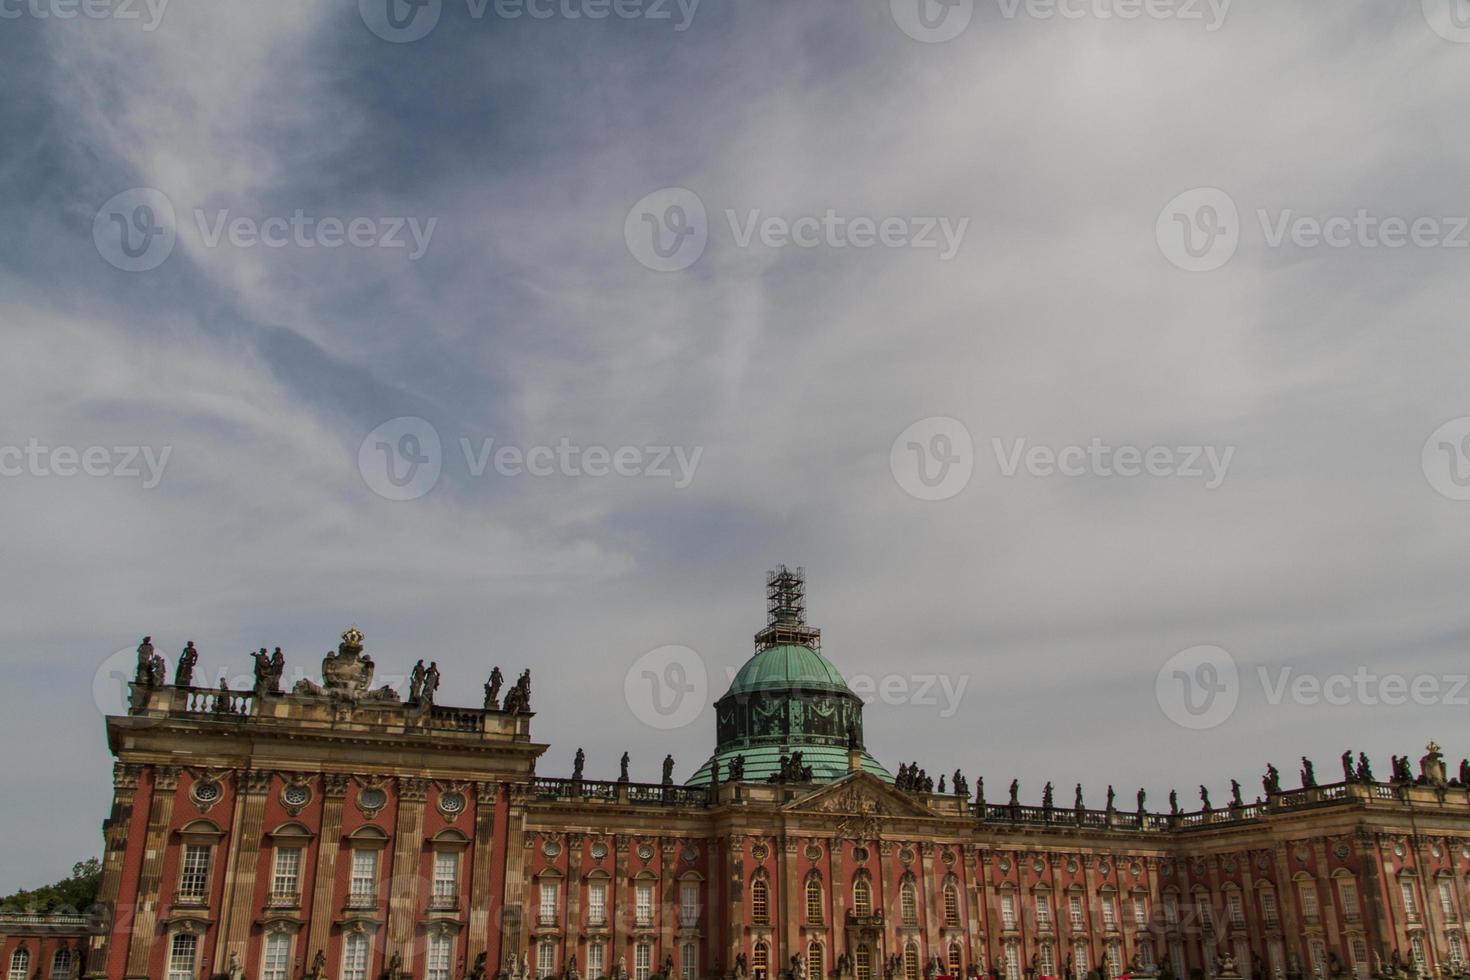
x: 338, y: 830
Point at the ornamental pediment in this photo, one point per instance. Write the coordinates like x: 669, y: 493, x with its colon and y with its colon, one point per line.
x: 859, y: 795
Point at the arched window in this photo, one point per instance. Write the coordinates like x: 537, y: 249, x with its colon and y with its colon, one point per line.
x: 814, y: 903
x: 951, y: 905
x: 862, y: 897
x: 761, y: 961
x: 956, y: 960
x: 760, y: 901
x: 908, y: 904
x: 354, y: 957
x: 1048, y: 961
x: 863, y: 962
x: 911, y: 961
x: 814, y: 968
x: 20, y: 964
x: 61, y: 965
x: 275, y: 959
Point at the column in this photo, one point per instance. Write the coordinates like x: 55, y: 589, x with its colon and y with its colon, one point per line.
x: 483, y: 858
x: 155, y: 845
x: 235, y: 917
x: 516, y: 841
x: 837, y: 900
x: 124, y: 792
x: 408, y: 848
x: 324, y: 879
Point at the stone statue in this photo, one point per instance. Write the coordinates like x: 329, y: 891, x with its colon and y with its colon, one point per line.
x: 492, y: 689
x: 1112, y: 797
x: 578, y: 762
x: 737, y: 768
x: 318, y: 969
x: 1077, y: 803
x: 1174, y: 802
x: 395, y: 966
x: 262, y: 671
x: 416, y: 683
x: 1015, y: 792
x: 1271, y: 782
x: 742, y: 965
x: 1365, y: 770
x: 1047, y: 801
x: 1235, y: 793
x: 477, y: 972
x: 961, y: 785
x: 1204, y: 796
x: 234, y: 970
x: 1142, y: 801
x: 941, y: 782
x: 571, y: 970
x: 431, y: 683
x: 278, y: 670
x: 798, y: 968
x: 144, y: 674
x: 1309, y: 773
x: 980, y: 792
x: 668, y: 968
x: 1347, y: 766
x: 668, y: 770
x: 623, y: 768
x: 184, y: 674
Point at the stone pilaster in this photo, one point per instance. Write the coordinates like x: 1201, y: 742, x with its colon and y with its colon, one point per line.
x: 930, y: 896
x: 788, y: 902
x: 150, y: 885
x: 239, y: 895
x: 970, y: 875
x: 481, y: 902
x: 408, y: 849
x: 735, y: 885
x: 574, y: 896
x: 837, y: 896
x: 324, y: 880
x: 115, y: 836
x: 887, y: 901
x: 619, y: 904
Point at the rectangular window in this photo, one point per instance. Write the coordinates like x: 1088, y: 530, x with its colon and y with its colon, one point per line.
x: 194, y: 876
x: 1171, y: 911
x: 1176, y: 956
x: 1411, y: 905
x: 863, y: 963
x: 1447, y: 901
x: 1115, y: 960
x: 596, y: 907
x: 595, y: 963
x: 1269, y: 912
x: 1109, y: 914
x: 1310, y: 909
x: 1237, y: 911
x: 355, y: 957
x: 182, y: 952
x: 1074, y: 908
x: 1416, y: 947
x: 364, y: 882
x: 1206, y: 917
x: 1013, y: 962
x: 1080, y: 960
x: 1008, y: 911
x: 1043, y: 911
x: 446, y: 875
x: 549, y: 894
x: 1048, y: 961
x: 952, y: 905
x: 275, y: 960
x: 286, y: 876
x: 1361, y: 964
x: 1457, y: 949
x: 643, y: 903
x: 439, y: 960
x: 642, y: 961
x: 689, y: 904
x: 688, y: 962
x: 545, y: 958
x: 61, y: 965
x: 1140, y: 910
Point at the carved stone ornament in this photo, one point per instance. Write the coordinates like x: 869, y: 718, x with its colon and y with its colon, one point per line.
x: 295, y: 795
x: 207, y: 790
x: 347, y: 675
x: 453, y: 800
x: 372, y: 795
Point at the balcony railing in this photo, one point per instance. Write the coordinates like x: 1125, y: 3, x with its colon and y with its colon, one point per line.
x: 284, y: 900
x: 865, y: 920
x: 444, y: 903
x: 362, y: 900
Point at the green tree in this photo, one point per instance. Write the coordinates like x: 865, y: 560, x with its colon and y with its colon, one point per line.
x: 72, y: 894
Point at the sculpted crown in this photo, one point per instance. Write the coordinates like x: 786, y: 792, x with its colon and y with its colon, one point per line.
x: 352, y: 638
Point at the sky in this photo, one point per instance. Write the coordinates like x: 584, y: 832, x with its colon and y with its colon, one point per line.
x: 1103, y: 364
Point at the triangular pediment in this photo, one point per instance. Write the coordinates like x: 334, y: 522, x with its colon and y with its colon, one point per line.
x: 860, y: 794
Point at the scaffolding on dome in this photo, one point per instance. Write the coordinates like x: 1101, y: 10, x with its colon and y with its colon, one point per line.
x: 786, y: 612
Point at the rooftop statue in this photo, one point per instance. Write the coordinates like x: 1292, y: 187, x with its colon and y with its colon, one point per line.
x: 492, y: 690
x: 188, y: 659
x: 347, y: 675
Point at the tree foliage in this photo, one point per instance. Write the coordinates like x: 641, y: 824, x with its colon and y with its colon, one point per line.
x: 72, y: 894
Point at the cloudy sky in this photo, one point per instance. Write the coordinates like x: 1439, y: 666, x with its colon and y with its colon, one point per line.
x: 904, y: 257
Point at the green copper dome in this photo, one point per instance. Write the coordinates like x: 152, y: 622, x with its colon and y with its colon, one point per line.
x: 789, y: 666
